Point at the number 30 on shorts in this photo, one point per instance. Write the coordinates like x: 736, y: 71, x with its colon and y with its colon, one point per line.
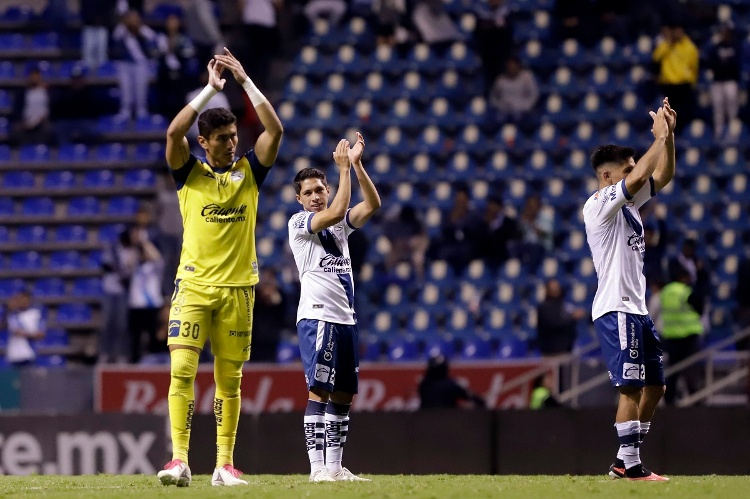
x: 189, y: 329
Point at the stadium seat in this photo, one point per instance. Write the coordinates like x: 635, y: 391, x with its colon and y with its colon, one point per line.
x: 97, y: 179
x: 112, y: 151
x: 59, y: 179
x: 71, y: 233
x: 25, y: 260
x: 38, y: 153
x: 402, y: 349
x: 122, y: 205
x: 141, y: 178
x: 18, y: 180
x: 31, y: 234
x: 80, y: 206
x: 38, y: 206
x: 370, y: 348
x: 65, y: 260
x: 287, y: 351
x: 50, y: 361
x: 4, y: 234
x: 87, y: 286
x: 49, y: 287
x: 110, y: 232
x: 73, y: 312
x: 475, y: 348
x: 149, y: 151
x: 436, y: 345
x: 7, y: 206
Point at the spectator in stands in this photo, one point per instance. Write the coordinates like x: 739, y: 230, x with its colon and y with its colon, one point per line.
x: 461, y: 232
x: 655, y: 239
x: 218, y: 100
x: 119, y: 260
x: 408, y: 238
x: 260, y: 29
x: 501, y: 232
x: 75, y: 109
x: 433, y: 23
x: 541, y: 395
x: 134, y: 45
x: 177, y: 66
x: 537, y: 231
x: 438, y: 390
x: 514, y: 93
x: 97, y: 17
x: 333, y: 10
x: 270, y: 317
x: 556, y: 321
x: 677, y: 57
x: 145, y: 296
x: 723, y: 59
x: 612, y: 19
x: 391, y: 22
x: 169, y: 223
x: 655, y: 285
x: 688, y: 260
x: 494, y: 38
x: 681, y: 310
x: 26, y: 323
x: 32, y: 111
x: 202, y: 27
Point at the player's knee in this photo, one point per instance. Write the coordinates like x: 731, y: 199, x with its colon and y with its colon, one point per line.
x: 184, y: 366
x: 630, y: 391
x: 228, y: 377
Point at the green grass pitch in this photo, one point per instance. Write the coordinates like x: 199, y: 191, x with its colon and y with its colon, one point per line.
x: 385, y: 486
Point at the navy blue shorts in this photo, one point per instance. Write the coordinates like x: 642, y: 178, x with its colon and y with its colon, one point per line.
x: 631, y: 349
x: 330, y: 355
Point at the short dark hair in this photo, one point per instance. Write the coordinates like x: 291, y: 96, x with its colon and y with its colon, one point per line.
x: 611, y: 153
x: 214, y: 118
x: 306, y: 173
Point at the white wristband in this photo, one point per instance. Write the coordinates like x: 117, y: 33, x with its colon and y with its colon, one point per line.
x: 256, y: 97
x: 202, y: 98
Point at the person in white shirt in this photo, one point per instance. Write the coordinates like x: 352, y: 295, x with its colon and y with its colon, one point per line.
x: 326, y: 322
x: 25, y: 323
x: 614, y: 230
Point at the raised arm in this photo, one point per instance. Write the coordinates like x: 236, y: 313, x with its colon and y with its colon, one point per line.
x: 178, y: 149
x: 267, y: 146
x: 645, y: 167
x: 362, y: 211
x: 336, y: 212
x: 665, y: 169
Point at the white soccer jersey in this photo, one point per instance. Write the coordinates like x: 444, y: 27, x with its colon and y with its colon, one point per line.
x: 614, y: 231
x: 325, y: 269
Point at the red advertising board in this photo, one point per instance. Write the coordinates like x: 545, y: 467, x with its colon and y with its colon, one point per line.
x: 274, y: 388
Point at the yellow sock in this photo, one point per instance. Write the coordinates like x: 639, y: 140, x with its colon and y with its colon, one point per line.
x: 227, y: 406
x: 181, y: 399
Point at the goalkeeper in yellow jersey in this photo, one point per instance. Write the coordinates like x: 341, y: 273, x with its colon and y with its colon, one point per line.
x: 218, y: 271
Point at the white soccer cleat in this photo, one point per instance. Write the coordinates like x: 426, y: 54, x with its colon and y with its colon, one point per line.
x: 228, y: 476
x: 175, y: 472
x: 344, y: 475
x: 321, y: 475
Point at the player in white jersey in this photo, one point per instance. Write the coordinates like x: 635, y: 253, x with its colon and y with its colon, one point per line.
x: 614, y: 230
x: 326, y: 322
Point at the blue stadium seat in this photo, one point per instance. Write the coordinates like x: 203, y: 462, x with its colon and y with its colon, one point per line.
x: 45, y: 41
x: 18, y: 180
x: 12, y: 41
x: 436, y: 345
x: 38, y: 206
x: 475, y: 348
x: 25, y: 260
x: 99, y: 179
x: 431, y: 141
x: 512, y: 347
x: 107, y: 70
x: 402, y: 349
x: 151, y: 123
x: 7, y: 70
x: 94, y: 259
x: 71, y: 234
x: 73, y: 152
x: 162, y: 11
x: 113, y: 151
x: 87, y: 205
x: 87, y: 286
x: 65, y: 260
x: 149, y: 151
x: 50, y: 361
x: 461, y: 167
x: 9, y: 287
x: 38, y: 153
x: 698, y: 134
x: 31, y: 234
x: 7, y: 206
x: 4, y: 153
x: 4, y: 234
x: 110, y: 232
x: 287, y: 351
x: 370, y: 348
x: 59, y: 179
x: 73, y: 312
x: 143, y: 178
x: 49, y: 287
x: 122, y: 205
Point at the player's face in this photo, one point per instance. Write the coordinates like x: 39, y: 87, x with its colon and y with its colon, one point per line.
x: 313, y: 195
x: 221, y: 145
x: 619, y: 173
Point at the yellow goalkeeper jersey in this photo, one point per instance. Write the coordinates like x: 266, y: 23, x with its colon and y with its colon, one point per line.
x: 219, y: 209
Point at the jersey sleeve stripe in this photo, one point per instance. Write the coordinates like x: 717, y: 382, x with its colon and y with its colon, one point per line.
x: 348, y: 222
x: 181, y: 174
x: 653, y: 186
x: 260, y: 172
x: 309, y: 222
x: 625, y: 190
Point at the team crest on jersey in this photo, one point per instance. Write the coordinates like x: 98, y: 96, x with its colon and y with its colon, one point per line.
x: 237, y: 175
